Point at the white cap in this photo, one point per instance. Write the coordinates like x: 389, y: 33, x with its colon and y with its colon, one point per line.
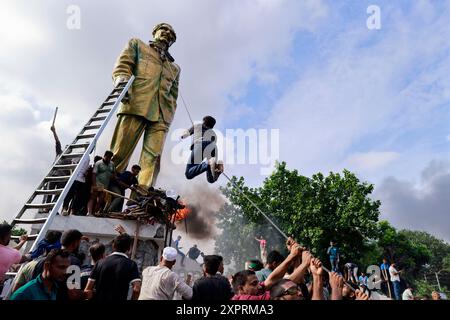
x: 171, y: 194
x: 170, y: 254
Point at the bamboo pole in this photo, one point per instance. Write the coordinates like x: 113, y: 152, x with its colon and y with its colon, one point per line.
x: 54, y: 117
x: 136, y: 239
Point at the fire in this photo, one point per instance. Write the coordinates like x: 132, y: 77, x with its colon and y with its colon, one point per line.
x: 182, y: 213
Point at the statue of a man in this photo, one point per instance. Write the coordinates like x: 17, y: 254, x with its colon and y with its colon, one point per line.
x: 150, y: 104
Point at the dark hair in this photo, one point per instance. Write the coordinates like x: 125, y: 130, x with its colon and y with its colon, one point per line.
x: 122, y: 243
x: 51, y: 256
x: 97, y: 158
x: 240, y: 278
x: 53, y: 236
x: 256, y: 265
x: 209, y: 122
x: 97, y: 250
x: 70, y: 236
x: 137, y: 167
x: 274, y: 256
x: 277, y: 289
x: 5, y: 229
x: 211, y: 264
x: 108, y: 153
x: 219, y: 257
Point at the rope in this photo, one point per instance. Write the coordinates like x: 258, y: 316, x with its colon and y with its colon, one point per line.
x: 182, y: 99
x: 242, y: 192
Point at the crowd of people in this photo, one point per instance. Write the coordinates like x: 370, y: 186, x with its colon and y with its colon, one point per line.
x: 44, y: 274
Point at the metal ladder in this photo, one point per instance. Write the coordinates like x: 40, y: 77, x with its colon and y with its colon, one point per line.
x: 85, y: 142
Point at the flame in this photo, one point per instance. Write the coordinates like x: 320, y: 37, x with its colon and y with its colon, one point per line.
x: 182, y: 213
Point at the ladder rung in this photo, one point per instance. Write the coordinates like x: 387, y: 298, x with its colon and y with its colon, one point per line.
x: 93, y: 127
x: 30, y: 221
x: 30, y: 237
x: 114, y: 96
x: 97, y: 119
x: 110, y: 103
x: 72, y: 155
x: 11, y: 274
x: 40, y: 205
x: 86, y: 136
x: 65, y: 166
x: 57, y: 178
x: 54, y: 191
x: 79, y: 145
x: 103, y: 111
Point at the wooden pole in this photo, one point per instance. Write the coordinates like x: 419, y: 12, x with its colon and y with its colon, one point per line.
x: 117, y: 195
x: 136, y: 238
x: 54, y: 117
x: 387, y: 279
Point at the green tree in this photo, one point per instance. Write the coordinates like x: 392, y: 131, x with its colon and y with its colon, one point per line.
x: 437, y: 248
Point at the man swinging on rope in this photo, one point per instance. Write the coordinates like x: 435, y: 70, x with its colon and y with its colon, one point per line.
x: 203, y: 146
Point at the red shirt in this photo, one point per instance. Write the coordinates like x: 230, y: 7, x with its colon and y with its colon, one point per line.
x: 264, y: 296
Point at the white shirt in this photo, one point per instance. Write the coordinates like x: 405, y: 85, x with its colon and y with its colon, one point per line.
x: 407, y: 295
x: 161, y: 283
x: 392, y: 272
x: 82, y: 173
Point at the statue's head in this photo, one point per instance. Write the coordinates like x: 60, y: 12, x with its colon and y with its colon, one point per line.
x: 163, y: 32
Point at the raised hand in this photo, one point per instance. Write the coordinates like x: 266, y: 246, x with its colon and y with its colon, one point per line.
x: 337, y: 284
x: 361, y: 296
x: 316, y: 267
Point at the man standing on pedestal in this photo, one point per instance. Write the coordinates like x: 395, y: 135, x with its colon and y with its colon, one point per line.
x: 150, y: 104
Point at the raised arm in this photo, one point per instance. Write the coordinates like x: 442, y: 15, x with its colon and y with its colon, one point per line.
x: 281, y: 270
x: 58, y: 148
x: 188, y: 133
x: 298, y: 275
x: 317, y: 271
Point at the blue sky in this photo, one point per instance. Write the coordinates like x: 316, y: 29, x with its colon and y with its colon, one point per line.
x: 343, y: 96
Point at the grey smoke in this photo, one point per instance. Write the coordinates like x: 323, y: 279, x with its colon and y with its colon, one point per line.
x: 205, y: 202
x: 419, y: 207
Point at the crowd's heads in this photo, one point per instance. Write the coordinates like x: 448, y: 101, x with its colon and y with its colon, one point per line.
x: 253, y: 265
x: 5, y: 233
x: 122, y: 243
x: 435, y: 295
x: 274, y: 259
x: 285, y: 289
x: 97, y: 251
x: 169, y: 256
x: 97, y: 158
x: 211, y: 264
x: 135, y: 170
x: 246, y: 282
x: 71, y: 239
x: 53, y: 236
x: 108, y: 156
x: 209, y: 122
x: 56, y: 263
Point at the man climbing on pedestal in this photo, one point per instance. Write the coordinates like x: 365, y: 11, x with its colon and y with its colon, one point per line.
x: 203, y: 146
x: 150, y: 104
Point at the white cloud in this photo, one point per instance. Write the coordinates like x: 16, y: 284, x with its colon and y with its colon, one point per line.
x: 371, y: 161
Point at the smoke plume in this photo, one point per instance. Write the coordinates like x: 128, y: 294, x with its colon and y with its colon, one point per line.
x: 204, y: 201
